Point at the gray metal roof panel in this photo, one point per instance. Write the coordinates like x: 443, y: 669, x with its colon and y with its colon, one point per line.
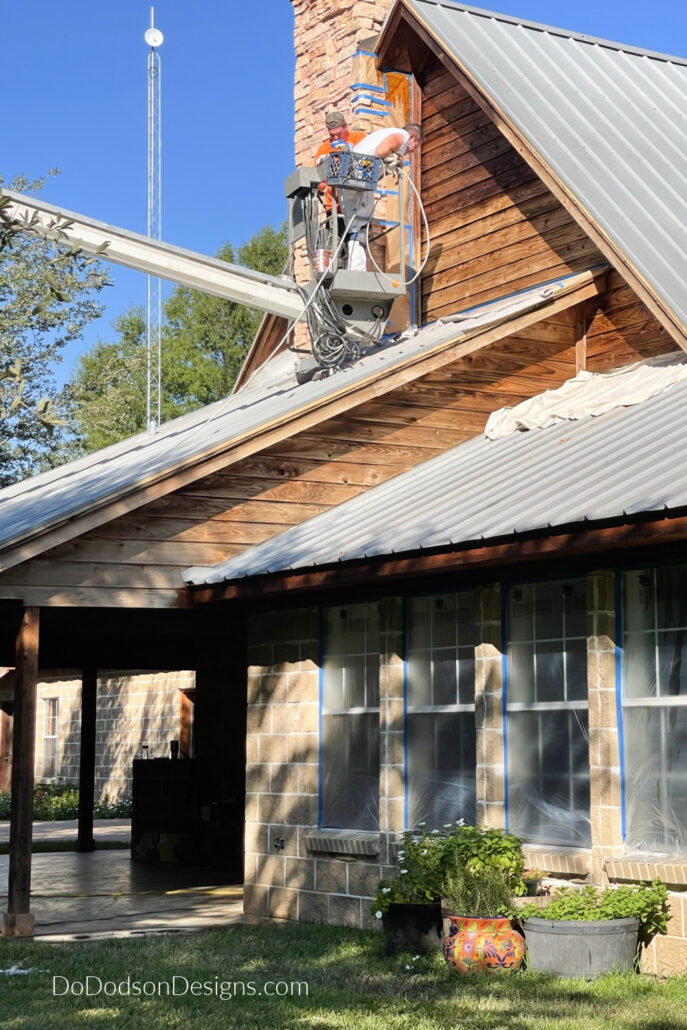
x: 54, y: 497
x: 610, y: 121
x: 623, y: 462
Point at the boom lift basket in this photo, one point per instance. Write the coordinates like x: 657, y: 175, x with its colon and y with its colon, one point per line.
x: 353, y: 171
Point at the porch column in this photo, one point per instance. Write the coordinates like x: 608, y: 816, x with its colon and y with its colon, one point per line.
x: 18, y: 921
x: 89, y: 695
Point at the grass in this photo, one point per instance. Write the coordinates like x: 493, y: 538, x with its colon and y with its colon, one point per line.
x: 352, y: 984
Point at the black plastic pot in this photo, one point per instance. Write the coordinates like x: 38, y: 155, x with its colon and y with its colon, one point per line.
x: 581, y: 949
x: 414, y: 928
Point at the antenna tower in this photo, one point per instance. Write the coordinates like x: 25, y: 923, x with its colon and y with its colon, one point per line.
x: 154, y: 39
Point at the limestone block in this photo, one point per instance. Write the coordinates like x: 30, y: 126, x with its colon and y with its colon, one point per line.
x: 363, y: 879
x: 345, y: 911
x: 270, y: 870
x: 255, y: 900
x: 272, y: 747
x: 283, y: 903
x: 312, y: 907
x: 300, y: 873
x: 331, y: 875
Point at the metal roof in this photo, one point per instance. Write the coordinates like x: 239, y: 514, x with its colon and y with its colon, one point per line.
x: 609, y: 120
x: 52, y: 498
x: 620, y: 463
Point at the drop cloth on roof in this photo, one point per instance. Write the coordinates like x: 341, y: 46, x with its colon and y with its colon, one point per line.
x: 590, y: 393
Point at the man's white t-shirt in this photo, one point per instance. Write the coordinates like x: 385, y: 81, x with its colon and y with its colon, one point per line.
x: 370, y: 143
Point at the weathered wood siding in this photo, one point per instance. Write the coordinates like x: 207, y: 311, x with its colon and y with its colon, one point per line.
x: 495, y: 227
x: 623, y: 330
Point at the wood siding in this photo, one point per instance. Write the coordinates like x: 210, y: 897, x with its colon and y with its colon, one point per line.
x: 495, y: 227
x: 622, y: 329
x: 137, y: 559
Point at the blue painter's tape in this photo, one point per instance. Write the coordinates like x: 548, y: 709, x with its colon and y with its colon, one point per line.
x: 619, y: 697
x: 367, y: 110
x: 368, y: 85
x: 364, y: 53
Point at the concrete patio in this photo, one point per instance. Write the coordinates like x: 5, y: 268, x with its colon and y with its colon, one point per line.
x: 76, y: 896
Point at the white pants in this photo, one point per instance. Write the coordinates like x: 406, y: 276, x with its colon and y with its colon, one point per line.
x: 357, y: 257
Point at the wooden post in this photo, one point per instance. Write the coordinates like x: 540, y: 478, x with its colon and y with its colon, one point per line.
x: 18, y: 920
x: 89, y: 696
x: 581, y: 323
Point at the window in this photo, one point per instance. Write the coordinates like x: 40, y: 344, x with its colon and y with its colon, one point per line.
x: 350, y: 718
x: 546, y: 713
x: 50, y: 736
x: 440, y: 709
x: 654, y: 707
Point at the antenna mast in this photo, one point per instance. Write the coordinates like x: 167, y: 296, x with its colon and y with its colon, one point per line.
x: 154, y: 39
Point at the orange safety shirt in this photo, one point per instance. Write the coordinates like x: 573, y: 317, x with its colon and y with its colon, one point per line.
x: 327, y: 148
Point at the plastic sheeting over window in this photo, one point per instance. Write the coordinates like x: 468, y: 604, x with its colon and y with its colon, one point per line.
x: 654, y: 681
x: 350, y: 718
x: 440, y: 709
x: 547, y: 724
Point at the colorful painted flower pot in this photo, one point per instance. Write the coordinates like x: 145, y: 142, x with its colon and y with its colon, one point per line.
x: 483, y: 946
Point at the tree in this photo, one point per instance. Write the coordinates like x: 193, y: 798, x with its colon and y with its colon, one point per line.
x: 204, y: 342
x: 47, y: 297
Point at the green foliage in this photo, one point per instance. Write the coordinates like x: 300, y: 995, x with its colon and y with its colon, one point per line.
x: 430, y: 864
x: 53, y: 801
x: 47, y: 297
x: 480, y: 892
x: 646, y: 902
x: 204, y: 343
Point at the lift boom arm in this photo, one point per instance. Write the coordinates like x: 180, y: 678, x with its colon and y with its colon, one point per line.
x: 209, y: 275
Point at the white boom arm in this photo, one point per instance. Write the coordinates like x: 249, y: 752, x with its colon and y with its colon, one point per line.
x: 209, y: 275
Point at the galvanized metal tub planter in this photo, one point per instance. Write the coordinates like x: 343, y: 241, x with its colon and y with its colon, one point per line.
x: 581, y: 948
x: 478, y: 945
x: 413, y: 927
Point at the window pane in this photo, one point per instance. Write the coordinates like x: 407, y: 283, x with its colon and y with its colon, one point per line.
x: 521, y: 673
x: 521, y: 613
x: 444, y: 622
x: 672, y: 663
x: 466, y: 676
x: 576, y: 670
x: 549, y: 672
x: 419, y: 623
x: 639, y: 665
x: 350, y: 742
x: 350, y: 771
x: 575, y: 608
x: 419, y: 674
x: 548, y: 776
x: 656, y: 778
x: 548, y: 610
x: 671, y: 595
x: 444, y: 677
x: 638, y: 601
x: 441, y: 768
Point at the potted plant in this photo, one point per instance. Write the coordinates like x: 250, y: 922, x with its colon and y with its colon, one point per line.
x: 588, y: 932
x: 409, y: 904
x: 481, y: 937
x: 532, y: 879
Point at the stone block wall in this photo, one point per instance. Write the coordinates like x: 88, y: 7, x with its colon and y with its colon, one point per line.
x: 295, y: 870
x: 133, y: 709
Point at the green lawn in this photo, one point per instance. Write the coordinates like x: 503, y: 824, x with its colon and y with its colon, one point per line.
x: 352, y: 984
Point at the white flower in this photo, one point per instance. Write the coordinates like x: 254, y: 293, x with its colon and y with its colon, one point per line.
x: 408, y: 967
x: 415, y: 958
x: 378, y: 914
x: 447, y: 826
x: 416, y: 840
x: 434, y: 831
x: 422, y: 824
x: 425, y: 852
x: 460, y: 822
x: 403, y: 871
x: 386, y: 890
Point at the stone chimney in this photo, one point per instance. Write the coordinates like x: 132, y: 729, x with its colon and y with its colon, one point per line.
x: 327, y: 34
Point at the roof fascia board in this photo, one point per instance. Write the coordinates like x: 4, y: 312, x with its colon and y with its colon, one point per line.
x: 570, y: 542
x: 579, y: 288
x: 606, y: 245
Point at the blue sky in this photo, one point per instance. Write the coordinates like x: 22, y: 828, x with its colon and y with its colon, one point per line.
x: 75, y: 76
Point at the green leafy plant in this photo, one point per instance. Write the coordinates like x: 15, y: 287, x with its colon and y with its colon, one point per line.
x: 647, y: 902
x: 479, y: 892
x: 428, y: 861
x: 53, y: 801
